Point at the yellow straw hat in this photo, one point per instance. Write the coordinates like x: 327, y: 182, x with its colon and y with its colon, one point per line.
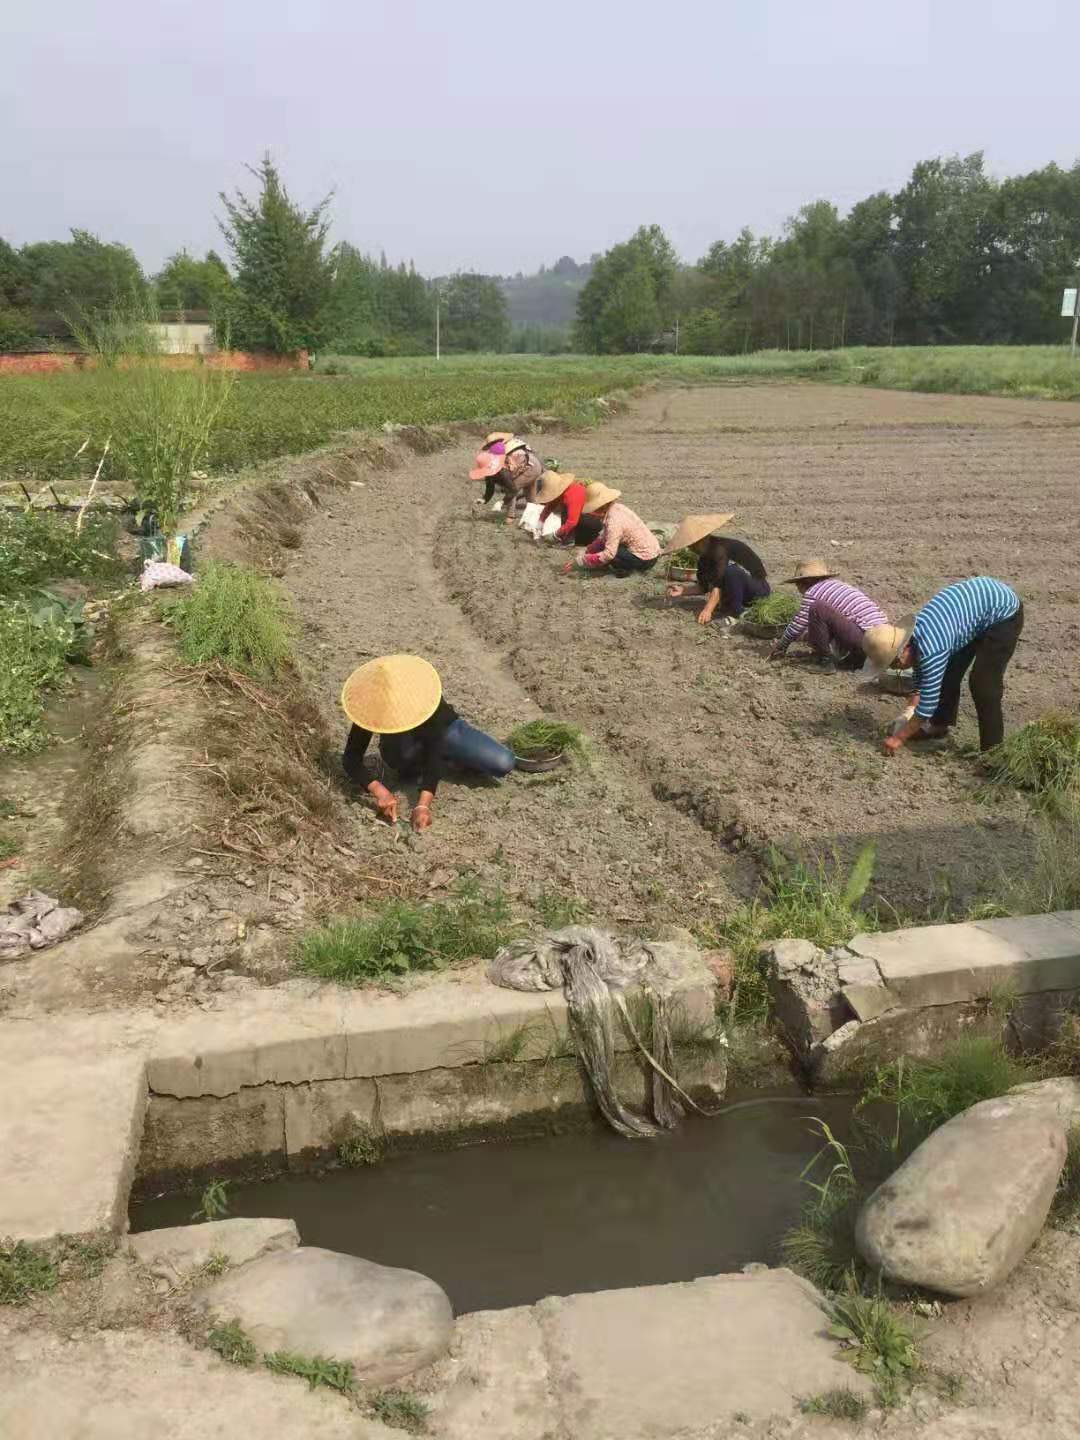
x: 695, y: 528
x: 882, y: 643
x: 599, y: 494
x: 814, y: 569
x: 504, y: 435
x: 392, y: 694
x: 554, y: 483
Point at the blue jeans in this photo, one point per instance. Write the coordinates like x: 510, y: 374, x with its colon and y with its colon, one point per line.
x: 470, y: 749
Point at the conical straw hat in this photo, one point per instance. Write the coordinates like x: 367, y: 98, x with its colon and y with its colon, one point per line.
x: 882, y: 643
x: 815, y: 569
x: 599, y: 494
x: 392, y: 694
x: 695, y: 528
x: 503, y: 435
x: 554, y: 483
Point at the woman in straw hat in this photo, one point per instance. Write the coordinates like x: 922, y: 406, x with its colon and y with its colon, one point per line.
x: 729, y: 574
x: 625, y: 542
x: 400, y: 699
x: 562, y: 493
x: 972, y: 624
x: 507, y: 462
x: 832, y: 619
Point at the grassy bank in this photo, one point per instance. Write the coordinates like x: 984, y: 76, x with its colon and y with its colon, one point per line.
x: 45, y: 419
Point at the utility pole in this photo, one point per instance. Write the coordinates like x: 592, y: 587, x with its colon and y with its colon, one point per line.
x: 438, y: 307
x: 1076, y: 312
x: 676, y: 334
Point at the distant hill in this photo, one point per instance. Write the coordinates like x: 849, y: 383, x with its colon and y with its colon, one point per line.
x: 548, y: 298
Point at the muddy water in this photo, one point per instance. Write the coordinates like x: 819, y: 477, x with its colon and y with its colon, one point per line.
x: 506, y: 1224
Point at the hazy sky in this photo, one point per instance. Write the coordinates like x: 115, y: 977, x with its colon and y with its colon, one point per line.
x: 497, y: 136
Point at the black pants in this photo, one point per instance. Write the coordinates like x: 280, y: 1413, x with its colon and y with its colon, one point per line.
x: 987, y: 658
x: 585, y: 531
x: 626, y: 562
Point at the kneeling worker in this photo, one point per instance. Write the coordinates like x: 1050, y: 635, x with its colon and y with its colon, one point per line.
x: 729, y: 574
x: 625, y: 544
x: 973, y: 624
x: 400, y: 699
x: 832, y: 619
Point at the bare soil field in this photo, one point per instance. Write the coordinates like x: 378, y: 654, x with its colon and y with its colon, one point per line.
x: 703, y: 746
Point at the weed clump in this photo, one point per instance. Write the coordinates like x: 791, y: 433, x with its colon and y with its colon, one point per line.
x: 230, y: 1342
x: 557, y: 911
x: 214, y: 1202
x: 882, y: 1341
x: 34, y: 662
x: 362, y: 1148
x: 401, y: 1411
x: 776, y: 609
x: 36, y: 546
x: 1043, y: 757
x: 25, y: 1271
x: 926, y: 1093
x: 839, y: 1404
x: 236, y: 617
x: 822, y: 1246
x: 403, y: 936
x: 315, y: 1369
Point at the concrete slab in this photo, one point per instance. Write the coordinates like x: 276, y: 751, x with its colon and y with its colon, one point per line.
x: 867, y: 1002
x: 127, y: 1384
x: 70, y: 1127
x: 666, y: 1359
x: 495, y: 1383
x: 947, y: 964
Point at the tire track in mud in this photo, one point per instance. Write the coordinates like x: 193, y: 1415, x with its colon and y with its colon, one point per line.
x: 366, y: 582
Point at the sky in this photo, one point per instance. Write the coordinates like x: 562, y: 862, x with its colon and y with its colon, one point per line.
x: 496, y: 137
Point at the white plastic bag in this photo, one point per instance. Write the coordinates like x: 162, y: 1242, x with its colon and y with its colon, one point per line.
x: 530, y: 521
x: 157, y: 573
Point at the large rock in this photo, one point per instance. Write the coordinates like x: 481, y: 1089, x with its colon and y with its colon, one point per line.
x: 317, y: 1302
x: 803, y: 983
x: 965, y: 1207
x: 173, y: 1252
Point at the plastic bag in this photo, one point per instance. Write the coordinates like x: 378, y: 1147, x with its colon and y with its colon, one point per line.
x: 530, y: 521
x: 159, y: 573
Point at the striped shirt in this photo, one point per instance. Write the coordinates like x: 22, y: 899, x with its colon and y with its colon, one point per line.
x: 621, y: 527
x: 844, y: 599
x: 954, y: 618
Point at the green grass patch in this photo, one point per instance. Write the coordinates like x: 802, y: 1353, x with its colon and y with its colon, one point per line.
x: 882, y: 1342
x: 553, y: 735
x: 557, y: 911
x: 36, y: 546
x: 926, y: 1093
x: 362, y: 1148
x: 822, y: 1246
x: 235, y: 617
x: 839, y: 1404
x: 404, y: 936
x: 232, y: 1344
x: 317, y: 1370
x: 34, y: 662
x: 776, y: 609
x: 1043, y: 757
x: 400, y: 1410
x: 25, y: 1271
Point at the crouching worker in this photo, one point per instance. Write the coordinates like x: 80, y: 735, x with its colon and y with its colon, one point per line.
x: 561, y: 493
x: 507, y: 463
x: 625, y: 543
x: 832, y: 619
x: 973, y: 624
x: 400, y: 699
x: 729, y: 574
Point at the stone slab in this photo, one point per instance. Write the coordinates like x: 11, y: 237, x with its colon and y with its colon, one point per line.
x: 667, y: 1359
x: 494, y: 1384
x: 179, y: 1249
x: 947, y: 964
x: 128, y: 1384
x: 867, y: 1002
x: 70, y: 1129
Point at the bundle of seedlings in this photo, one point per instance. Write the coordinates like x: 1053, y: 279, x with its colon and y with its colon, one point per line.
x: 1043, y: 757
x: 777, y: 609
x: 545, y: 744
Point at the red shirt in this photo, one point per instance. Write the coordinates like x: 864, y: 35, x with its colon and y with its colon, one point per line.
x: 569, y: 504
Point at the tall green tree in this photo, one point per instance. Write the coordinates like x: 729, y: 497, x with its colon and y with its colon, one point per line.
x: 83, y: 275
x: 635, y: 279
x: 184, y: 283
x: 284, y: 269
x: 474, y: 313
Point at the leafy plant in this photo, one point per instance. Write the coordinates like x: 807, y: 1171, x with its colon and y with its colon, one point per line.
x: 25, y: 1271
x: 686, y: 558
x: 402, y: 936
x: 34, y: 662
x: 547, y: 735
x: 557, y: 910
x: 230, y: 1342
x: 839, y: 1404
x: 1043, y: 757
x: 776, y: 609
x: 39, y: 545
x: 236, y: 617
x: 217, y: 1263
x: 214, y: 1203
x: 400, y: 1410
x: 883, y: 1343
x: 363, y: 1147
x: 315, y: 1369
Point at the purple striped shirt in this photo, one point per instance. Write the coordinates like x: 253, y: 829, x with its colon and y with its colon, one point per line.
x: 845, y: 599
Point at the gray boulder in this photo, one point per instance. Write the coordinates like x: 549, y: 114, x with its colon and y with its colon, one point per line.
x: 180, y: 1249
x: 967, y: 1205
x: 388, y: 1322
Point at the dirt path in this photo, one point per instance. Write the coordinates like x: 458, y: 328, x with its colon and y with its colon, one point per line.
x: 700, y: 740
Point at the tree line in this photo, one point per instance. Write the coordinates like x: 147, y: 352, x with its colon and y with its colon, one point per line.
x: 287, y: 288
x: 956, y: 256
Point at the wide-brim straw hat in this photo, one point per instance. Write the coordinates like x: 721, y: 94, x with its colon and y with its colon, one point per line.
x: 554, y: 483
x: 695, y: 528
x: 597, y: 495
x: 392, y: 694
x: 504, y: 435
x: 486, y: 466
x: 882, y: 644
x: 814, y: 569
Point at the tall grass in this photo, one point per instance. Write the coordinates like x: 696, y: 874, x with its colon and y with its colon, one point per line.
x: 925, y: 1093
x: 236, y: 617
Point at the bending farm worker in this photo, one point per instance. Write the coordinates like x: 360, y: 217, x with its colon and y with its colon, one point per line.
x: 400, y: 699
x: 562, y: 493
x: 972, y: 624
x: 507, y: 462
x: 729, y: 574
x: 625, y: 543
x: 832, y: 619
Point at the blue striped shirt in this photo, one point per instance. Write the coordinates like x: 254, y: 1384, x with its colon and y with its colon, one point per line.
x: 954, y: 618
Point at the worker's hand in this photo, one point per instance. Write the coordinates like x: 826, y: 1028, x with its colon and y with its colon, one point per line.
x: 674, y: 591
x: 777, y: 653
x: 894, y: 744
x: 705, y: 614
x: 385, y: 802
x: 509, y: 520
x: 421, y: 817
x: 567, y: 567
